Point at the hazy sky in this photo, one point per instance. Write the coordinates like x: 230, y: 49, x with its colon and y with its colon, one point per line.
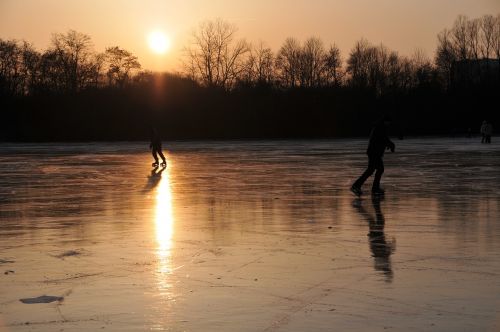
x: 403, y: 25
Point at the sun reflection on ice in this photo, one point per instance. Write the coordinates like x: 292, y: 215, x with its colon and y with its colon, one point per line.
x: 164, y: 226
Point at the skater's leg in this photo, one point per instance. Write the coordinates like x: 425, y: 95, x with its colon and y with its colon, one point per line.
x: 376, y: 180
x: 155, y: 156
x: 379, y: 165
x: 162, y: 156
x: 366, y: 174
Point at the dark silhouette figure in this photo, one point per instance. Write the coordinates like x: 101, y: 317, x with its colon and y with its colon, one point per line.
x: 486, y: 132
x: 380, y: 248
x: 379, y: 142
x: 155, y: 147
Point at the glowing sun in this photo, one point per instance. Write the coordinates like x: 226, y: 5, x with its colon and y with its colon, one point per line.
x: 158, y: 42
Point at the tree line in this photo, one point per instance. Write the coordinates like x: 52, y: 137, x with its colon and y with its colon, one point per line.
x: 215, y: 57
x: 230, y: 88
x: 69, y: 65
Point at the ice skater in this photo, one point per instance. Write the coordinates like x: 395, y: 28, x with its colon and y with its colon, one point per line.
x: 378, y: 143
x: 155, y: 147
x: 486, y: 132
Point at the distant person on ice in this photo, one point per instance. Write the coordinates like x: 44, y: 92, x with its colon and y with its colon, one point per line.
x: 379, y: 142
x: 155, y: 147
x: 486, y: 132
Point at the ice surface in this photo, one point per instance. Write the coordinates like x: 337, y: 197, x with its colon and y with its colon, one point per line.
x: 250, y: 236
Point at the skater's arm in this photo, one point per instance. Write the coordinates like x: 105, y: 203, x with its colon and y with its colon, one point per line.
x: 380, y: 135
x: 391, y: 145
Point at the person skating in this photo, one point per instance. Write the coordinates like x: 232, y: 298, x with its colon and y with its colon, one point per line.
x: 155, y: 147
x: 378, y: 143
x: 483, y: 131
x: 488, y: 131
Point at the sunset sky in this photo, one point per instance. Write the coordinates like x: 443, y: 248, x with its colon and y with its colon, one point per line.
x: 403, y: 25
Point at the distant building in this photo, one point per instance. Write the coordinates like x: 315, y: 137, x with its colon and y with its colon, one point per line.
x: 474, y: 72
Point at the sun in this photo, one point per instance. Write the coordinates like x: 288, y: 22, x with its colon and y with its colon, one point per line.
x: 158, y: 42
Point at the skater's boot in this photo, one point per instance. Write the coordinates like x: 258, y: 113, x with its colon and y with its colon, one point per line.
x: 356, y: 190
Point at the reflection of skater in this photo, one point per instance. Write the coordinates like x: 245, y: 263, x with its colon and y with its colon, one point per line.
x: 381, y: 249
x: 155, y: 147
x: 379, y: 141
x: 486, y: 132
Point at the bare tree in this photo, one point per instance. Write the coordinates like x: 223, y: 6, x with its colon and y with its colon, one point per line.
x: 312, y: 60
x: 487, y: 28
x: 288, y: 62
x: 357, y: 63
x: 406, y: 79
x: 377, y: 68
x: 215, y: 57
x: 421, y: 68
x: 120, y: 64
x: 460, y: 38
x: 393, y: 74
x: 30, y: 67
x: 260, y: 65
x: 73, y: 50
x: 473, y: 38
x: 333, y: 66
x: 446, y: 55
x: 496, y: 38
x: 496, y: 41
x: 10, y: 76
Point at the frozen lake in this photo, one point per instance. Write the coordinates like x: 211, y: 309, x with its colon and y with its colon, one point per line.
x: 249, y: 236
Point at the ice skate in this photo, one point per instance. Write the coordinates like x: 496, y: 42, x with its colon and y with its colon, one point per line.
x: 356, y: 190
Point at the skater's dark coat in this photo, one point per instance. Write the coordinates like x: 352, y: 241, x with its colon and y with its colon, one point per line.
x: 155, y: 141
x: 379, y: 141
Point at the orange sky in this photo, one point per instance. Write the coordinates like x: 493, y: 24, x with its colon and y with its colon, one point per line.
x: 400, y: 24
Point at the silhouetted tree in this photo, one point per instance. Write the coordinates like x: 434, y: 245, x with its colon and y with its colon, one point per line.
x: 259, y: 68
x: 473, y: 38
x: 10, y: 75
x: 30, y: 68
x: 288, y: 63
x: 487, y: 35
x: 312, y: 63
x: 465, y: 44
x: 333, y: 66
x: 215, y: 57
x: 120, y: 64
x: 376, y: 68
x: 72, y: 52
x: 460, y: 38
x: 357, y: 63
x: 496, y: 40
x: 421, y: 70
x: 445, y: 56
